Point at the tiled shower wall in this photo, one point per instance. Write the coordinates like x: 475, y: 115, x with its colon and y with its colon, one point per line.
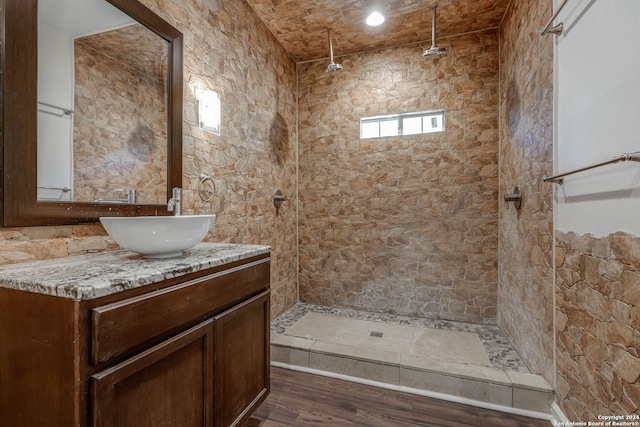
x: 231, y: 52
x: 405, y: 225
x: 525, y: 304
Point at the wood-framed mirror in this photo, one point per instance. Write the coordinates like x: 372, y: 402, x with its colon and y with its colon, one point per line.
x: 21, y: 203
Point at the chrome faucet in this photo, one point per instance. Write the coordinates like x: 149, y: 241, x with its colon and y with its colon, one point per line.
x: 174, y: 202
x: 131, y: 196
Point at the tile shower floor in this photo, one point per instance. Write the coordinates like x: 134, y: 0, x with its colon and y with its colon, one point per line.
x: 472, y: 362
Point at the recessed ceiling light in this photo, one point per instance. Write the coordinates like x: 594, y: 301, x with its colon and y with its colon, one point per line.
x: 375, y: 19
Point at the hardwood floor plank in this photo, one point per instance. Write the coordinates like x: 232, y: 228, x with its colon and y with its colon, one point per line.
x: 320, y: 419
x: 306, y: 400
x: 276, y: 411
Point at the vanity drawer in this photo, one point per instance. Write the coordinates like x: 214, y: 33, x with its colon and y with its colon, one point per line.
x: 125, y: 325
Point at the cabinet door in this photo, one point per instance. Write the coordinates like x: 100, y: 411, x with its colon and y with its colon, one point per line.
x: 241, y: 360
x: 168, y: 385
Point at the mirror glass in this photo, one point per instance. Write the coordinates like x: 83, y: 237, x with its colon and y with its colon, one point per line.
x: 103, y: 102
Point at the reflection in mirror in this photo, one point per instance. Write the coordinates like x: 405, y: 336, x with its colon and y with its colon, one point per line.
x: 102, y: 105
x: 21, y: 155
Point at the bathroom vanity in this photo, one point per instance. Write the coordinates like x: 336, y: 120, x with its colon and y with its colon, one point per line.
x: 113, y: 339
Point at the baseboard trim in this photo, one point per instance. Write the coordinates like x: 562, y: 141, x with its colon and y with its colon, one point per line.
x: 426, y: 393
x: 557, y: 416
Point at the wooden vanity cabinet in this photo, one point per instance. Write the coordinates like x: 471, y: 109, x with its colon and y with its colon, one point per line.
x: 242, y: 361
x: 186, y: 352
x: 169, y: 384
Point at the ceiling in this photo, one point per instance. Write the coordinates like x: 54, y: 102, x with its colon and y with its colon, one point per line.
x: 301, y: 25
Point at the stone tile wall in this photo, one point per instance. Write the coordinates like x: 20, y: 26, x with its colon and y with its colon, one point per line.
x: 598, y: 325
x: 230, y: 51
x: 404, y: 225
x: 525, y: 303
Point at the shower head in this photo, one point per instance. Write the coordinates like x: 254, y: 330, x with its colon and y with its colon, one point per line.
x: 332, y: 65
x: 434, y: 50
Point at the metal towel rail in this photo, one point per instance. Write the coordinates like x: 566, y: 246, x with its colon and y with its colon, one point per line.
x: 65, y: 111
x: 557, y: 30
x: 633, y: 157
x: 63, y: 189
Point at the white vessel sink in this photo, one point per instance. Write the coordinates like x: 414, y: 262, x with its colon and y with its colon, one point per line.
x: 158, y: 236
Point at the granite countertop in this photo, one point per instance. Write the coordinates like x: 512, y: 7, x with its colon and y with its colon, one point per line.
x: 89, y: 276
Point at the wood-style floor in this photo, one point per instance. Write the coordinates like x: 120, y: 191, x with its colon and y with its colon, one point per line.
x: 301, y: 399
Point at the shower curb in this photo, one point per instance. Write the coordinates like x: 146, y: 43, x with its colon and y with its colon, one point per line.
x: 506, y: 391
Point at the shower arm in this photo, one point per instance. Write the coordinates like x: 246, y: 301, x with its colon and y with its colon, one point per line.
x: 332, y: 65
x: 330, y: 46
x: 433, y: 28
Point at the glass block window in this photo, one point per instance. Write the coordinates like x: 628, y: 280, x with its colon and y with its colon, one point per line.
x: 402, y: 124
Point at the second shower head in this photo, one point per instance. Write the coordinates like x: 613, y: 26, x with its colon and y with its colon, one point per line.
x: 332, y: 65
x: 434, y: 50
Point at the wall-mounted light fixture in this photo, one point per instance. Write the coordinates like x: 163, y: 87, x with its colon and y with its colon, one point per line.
x: 209, y: 110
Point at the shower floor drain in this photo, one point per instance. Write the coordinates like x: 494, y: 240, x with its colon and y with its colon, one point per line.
x: 376, y: 334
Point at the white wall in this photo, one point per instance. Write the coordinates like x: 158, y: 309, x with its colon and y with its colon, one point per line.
x: 597, y: 83
x: 55, y: 134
